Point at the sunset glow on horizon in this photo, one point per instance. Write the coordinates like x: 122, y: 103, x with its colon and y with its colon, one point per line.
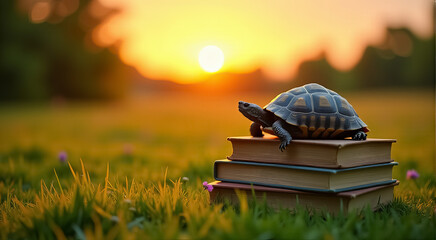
x: 162, y: 39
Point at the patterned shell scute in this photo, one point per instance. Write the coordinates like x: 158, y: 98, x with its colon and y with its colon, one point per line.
x: 315, y: 106
x: 313, y: 87
x: 332, y: 92
x: 324, y: 103
x: 301, y: 103
x: 283, y: 99
x: 297, y: 91
x: 343, y: 106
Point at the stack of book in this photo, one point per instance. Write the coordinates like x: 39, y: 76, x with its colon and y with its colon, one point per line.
x: 332, y: 175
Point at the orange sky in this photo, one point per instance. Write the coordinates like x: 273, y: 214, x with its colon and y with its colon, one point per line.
x: 162, y: 39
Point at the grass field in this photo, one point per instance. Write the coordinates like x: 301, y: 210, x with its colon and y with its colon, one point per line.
x: 135, y: 153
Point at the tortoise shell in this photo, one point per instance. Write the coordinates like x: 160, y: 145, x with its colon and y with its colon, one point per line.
x: 317, y: 111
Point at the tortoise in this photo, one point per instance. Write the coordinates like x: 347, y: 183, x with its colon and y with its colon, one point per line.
x: 307, y: 112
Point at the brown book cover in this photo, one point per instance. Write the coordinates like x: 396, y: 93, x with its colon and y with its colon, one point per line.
x: 344, y: 153
x: 286, y: 198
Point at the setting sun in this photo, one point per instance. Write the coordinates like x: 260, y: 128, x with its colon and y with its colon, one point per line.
x: 163, y: 39
x: 211, y: 58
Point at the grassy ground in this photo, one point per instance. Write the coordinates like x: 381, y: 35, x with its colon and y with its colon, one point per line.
x: 135, y: 153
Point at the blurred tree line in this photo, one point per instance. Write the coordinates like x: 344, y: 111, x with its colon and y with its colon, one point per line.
x: 47, y: 51
x: 401, y: 60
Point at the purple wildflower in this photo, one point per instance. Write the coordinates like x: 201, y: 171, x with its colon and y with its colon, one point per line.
x: 412, y: 174
x: 127, y: 149
x: 62, y: 156
x: 207, y: 186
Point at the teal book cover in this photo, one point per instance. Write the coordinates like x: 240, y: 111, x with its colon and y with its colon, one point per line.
x: 273, y: 175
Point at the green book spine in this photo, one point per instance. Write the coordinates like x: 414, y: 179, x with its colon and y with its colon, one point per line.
x: 304, y: 168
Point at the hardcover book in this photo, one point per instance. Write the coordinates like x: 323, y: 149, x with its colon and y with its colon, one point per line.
x: 285, y: 198
x: 344, y: 153
x: 302, y: 177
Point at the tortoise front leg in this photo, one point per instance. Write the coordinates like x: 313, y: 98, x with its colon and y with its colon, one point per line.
x: 282, y: 133
x: 255, y: 130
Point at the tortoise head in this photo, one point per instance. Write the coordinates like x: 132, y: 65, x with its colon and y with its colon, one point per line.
x: 252, y: 111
